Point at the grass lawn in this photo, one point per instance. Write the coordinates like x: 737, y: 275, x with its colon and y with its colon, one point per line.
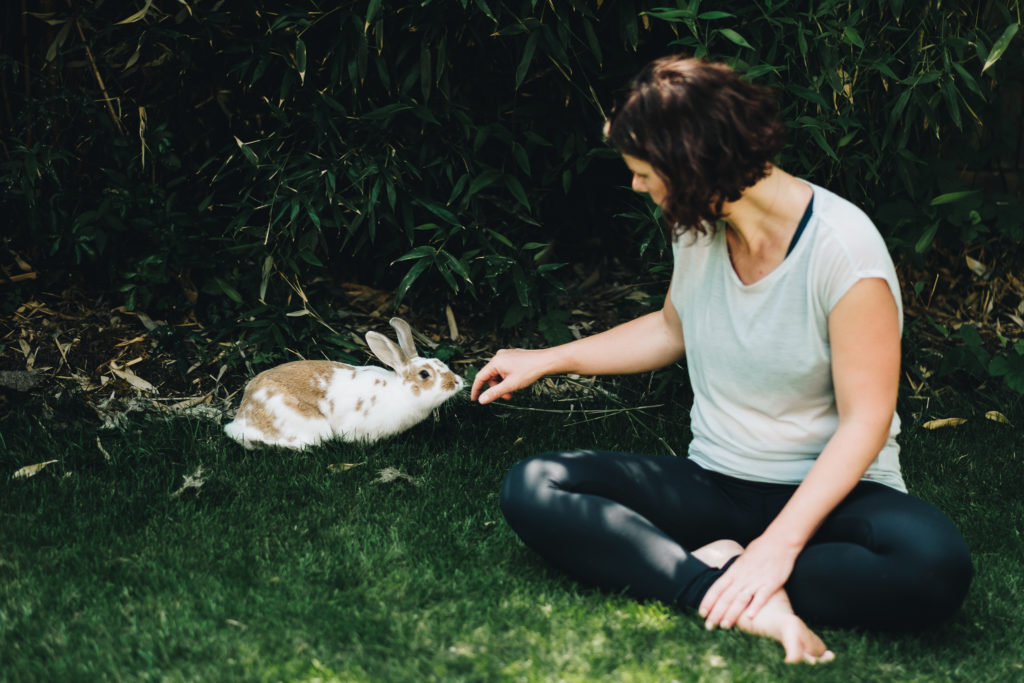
x: 392, y: 562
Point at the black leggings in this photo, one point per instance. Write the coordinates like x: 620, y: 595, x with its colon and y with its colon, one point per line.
x: 883, y: 559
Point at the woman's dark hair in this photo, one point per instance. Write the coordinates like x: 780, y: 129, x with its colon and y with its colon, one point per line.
x: 706, y: 132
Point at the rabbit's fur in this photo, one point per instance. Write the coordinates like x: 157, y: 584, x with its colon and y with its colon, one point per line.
x: 302, y: 403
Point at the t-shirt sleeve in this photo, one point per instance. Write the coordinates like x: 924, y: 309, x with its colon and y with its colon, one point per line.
x: 850, y: 254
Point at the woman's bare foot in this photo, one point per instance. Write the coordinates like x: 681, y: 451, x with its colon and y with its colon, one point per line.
x: 717, y: 553
x: 776, y: 620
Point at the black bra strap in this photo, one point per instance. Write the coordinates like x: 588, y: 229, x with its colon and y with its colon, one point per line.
x: 803, y: 224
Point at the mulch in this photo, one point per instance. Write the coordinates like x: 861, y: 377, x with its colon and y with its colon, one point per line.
x: 81, y: 344
x: 73, y: 342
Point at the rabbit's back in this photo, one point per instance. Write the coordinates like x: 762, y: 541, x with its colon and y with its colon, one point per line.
x: 302, y: 403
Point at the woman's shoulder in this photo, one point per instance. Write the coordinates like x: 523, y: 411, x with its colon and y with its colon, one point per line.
x: 693, y: 241
x: 844, y: 226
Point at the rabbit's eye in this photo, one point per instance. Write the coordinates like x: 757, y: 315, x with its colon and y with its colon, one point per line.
x: 424, y: 374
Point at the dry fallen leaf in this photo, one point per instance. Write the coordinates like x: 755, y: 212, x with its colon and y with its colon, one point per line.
x: 977, y: 267
x: 343, y: 466
x: 31, y: 470
x: 389, y: 475
x: 99, y: 444
x: 134, y: 380
x: 192, y: 481
x: 996, y: 416
x: 946, y: 422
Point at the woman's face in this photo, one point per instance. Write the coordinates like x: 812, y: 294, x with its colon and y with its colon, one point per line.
x: 645, y: 179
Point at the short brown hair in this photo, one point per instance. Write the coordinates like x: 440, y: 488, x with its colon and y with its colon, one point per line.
x: 707, y: 133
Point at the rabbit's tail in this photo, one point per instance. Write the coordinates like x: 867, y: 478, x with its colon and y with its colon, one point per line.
x: 244, y: 433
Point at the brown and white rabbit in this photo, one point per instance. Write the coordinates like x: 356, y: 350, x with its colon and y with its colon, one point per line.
x: 304, y: 402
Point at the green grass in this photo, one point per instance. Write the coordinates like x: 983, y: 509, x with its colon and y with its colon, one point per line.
x: 281, y: 567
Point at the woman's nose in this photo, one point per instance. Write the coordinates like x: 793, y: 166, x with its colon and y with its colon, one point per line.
x: 638, y: 185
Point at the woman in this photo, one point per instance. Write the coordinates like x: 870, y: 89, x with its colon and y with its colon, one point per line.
x: 791, y: 505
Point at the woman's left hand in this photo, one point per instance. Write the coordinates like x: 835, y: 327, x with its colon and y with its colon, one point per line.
x: 756, y: 575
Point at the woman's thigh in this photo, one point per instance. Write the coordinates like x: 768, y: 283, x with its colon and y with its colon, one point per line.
x: 680, y: 498
x: 882, y: 559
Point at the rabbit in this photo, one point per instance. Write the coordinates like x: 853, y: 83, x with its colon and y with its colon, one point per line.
x: 304, y: 402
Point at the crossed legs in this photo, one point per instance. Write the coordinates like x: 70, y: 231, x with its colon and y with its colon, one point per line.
x: 649, y: 525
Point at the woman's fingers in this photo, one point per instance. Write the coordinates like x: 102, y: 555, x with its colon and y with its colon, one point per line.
x: 492, y: 376
x: 508, y: 371
x: 730, y: 599
x: 728, y: 608
x: 735, y: 607
x: 497, y: 388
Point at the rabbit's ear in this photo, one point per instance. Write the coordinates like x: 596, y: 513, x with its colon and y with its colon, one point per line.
x: 405, y: 339
x: 385, y: 350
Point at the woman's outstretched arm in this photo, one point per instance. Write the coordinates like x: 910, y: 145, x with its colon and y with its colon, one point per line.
x: 647, y: 343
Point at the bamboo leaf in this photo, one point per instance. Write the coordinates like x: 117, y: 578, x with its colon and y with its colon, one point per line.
x: 999, y: 47
x: 968, y: 79
x: 524, y: 62
x: 483, y: 180
x: 501, y: 238
x: 300, y: 60
x: 951, y: 197
x: 592, y: 42
x: 371, y: 13
x: 735, y: 37
x: 522, y: 289
x: 950, y: 94
x: 456, y: 265
x: 387, y: 111
x: 138, y: 16
x: 809, y: 95
x: 58, y: 41
x: 410, y: 277
x: 521, y: 157
x: 819, y: 138
x: 516, y: 188
x: 247, y: 152
x: 482, y: 4
x: 439, y: 211
x: 416, y: 253
x: 852, y: 36
x: 926, y: 238
x: 228, y: 290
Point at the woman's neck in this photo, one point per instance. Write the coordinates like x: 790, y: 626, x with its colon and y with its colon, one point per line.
x: 768, y: 212
x: 762, y: 222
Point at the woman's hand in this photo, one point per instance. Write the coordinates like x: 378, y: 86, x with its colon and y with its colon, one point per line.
x: 508, y: 371
x: 756, y: 575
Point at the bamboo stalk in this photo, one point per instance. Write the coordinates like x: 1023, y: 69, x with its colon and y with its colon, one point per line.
x: 18, y: 278
x: 24, y: 49
x: 99, y: 79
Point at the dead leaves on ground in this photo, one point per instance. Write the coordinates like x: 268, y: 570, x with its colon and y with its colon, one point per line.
x: 191, y: 481
x: 31, y: 470
x: 942, y: 423
x: 968, y: 290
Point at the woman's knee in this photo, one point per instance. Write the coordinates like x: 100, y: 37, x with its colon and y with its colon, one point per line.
x: 522, y: 490
x: 942, y: 576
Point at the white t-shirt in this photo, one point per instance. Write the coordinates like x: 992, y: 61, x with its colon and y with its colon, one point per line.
x: 758, y: 355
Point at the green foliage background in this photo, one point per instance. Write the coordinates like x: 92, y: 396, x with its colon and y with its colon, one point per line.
x: 243, y: 160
